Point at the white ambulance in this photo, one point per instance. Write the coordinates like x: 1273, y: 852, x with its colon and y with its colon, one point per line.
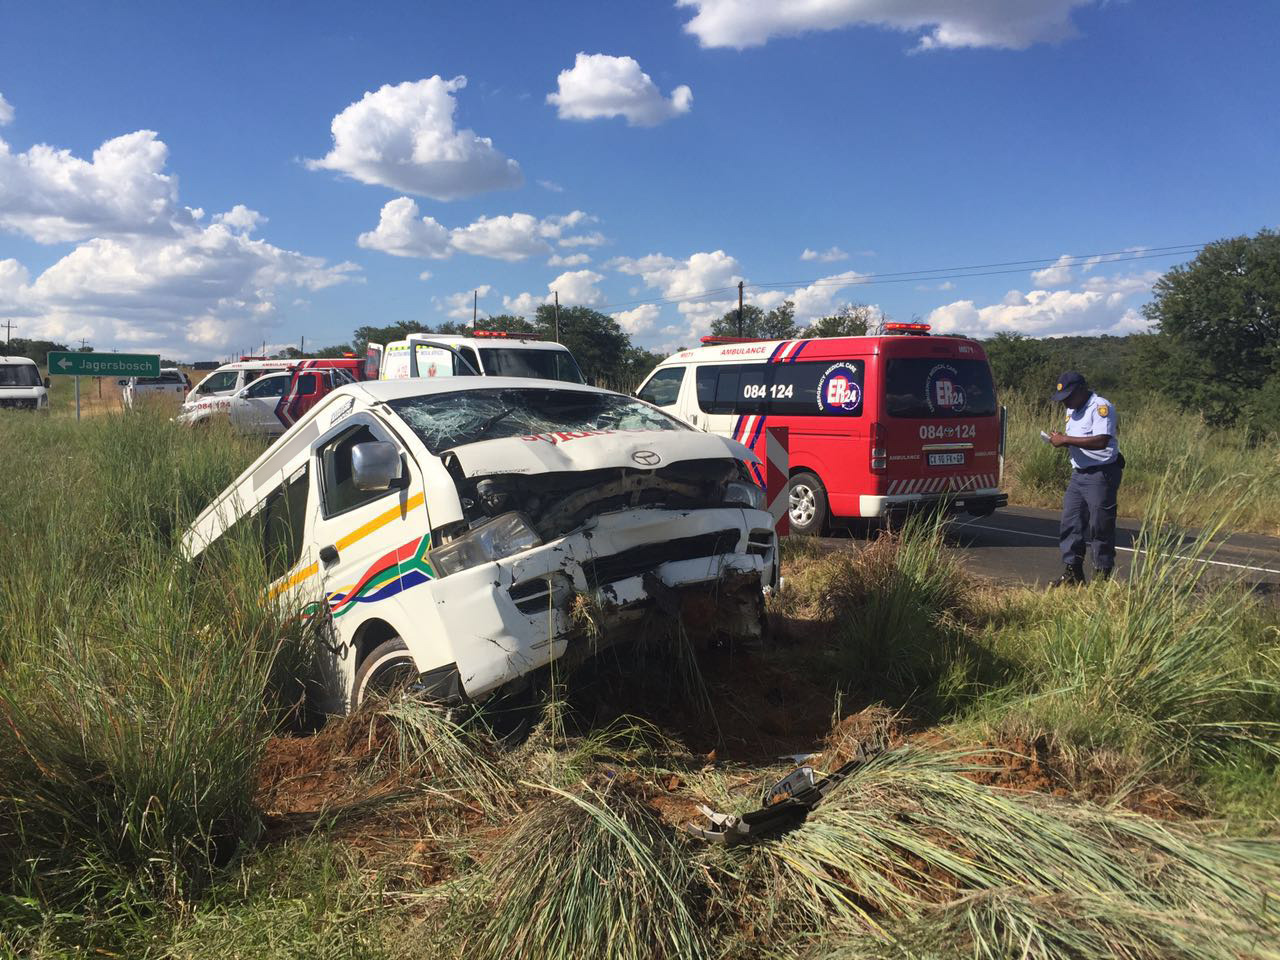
x: 486, y: 353
x: 442, y: 530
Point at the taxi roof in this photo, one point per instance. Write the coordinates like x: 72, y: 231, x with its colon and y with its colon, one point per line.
x: 529, y: 342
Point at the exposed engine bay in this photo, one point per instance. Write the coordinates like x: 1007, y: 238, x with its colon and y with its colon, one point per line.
x: 555, y: 504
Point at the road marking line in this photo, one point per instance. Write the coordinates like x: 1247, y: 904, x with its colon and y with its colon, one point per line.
x: 1045, y: 536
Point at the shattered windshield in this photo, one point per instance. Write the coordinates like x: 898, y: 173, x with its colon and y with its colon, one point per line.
x: 19, y: 375
x: 445, y: 420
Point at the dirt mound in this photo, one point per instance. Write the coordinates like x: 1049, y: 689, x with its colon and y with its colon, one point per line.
x: 330, y: 769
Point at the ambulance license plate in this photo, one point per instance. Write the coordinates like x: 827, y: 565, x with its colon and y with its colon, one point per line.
x: 946, y: 459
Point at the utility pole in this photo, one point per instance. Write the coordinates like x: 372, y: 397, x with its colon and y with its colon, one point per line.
x: 8, y: 333
x: 302, y: 346
x: 739, y: 308
x: 475, y: 308
x: 557, y: 327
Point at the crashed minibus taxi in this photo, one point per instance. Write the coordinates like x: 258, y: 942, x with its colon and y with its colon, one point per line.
x: 442, y: 531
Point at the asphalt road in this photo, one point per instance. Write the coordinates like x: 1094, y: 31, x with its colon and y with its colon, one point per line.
x: 1020, y: 545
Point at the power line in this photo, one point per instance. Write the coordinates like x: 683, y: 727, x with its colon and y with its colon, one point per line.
x: 932, y: 274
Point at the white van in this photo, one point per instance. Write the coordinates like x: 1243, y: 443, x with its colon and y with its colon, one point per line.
x: 486, y: 353
x: 21, y: 386
x: 170, y: 387
x: 443, y: 529
x: 230, y: 378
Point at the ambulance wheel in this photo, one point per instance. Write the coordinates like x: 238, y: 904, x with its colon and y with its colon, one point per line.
x: 808, y: 505
x: 389, y: 667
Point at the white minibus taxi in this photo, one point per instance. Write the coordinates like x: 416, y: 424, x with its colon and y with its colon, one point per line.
x: 441, y: 530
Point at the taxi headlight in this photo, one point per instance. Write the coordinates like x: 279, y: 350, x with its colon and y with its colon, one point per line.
x: 492, y: 540
x: 744, y: 493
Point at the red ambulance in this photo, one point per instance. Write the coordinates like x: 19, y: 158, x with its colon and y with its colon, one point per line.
x: 879, y: 425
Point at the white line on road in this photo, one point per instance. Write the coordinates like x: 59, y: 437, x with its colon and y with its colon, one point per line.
x: 1045, y: 536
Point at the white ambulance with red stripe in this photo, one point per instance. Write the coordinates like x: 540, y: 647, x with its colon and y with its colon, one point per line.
x: 878, y: 425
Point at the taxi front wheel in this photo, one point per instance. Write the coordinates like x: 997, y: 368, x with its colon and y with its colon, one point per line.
x: 807, y: 504
x: 388, y: 669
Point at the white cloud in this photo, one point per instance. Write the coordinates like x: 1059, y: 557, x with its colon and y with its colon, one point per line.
x: 578, y: 288
x: 830, y: 255
x: 1058, y: 275
x: 1103, y: 305
x: 403, y: 137
x: 240, y: 218
x: 690, y: 281
x: 598, y: 86
x: 593, y: 239
x: 551, y: 185
x: 6, y: 111
x: 55, y: 197
x: 145, y: 272
x: 425, y: 275
x: 402, y: 233
x: 461, y: 305
x: 640, y: 319
x: 1006, y: 24
x: 573, y: 260
x: 522, y: 305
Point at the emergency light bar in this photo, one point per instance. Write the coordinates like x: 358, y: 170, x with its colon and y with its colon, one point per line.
x: 249, y: 359
x: 915, y: 328
x: 712, y: 341
x: 502, y: 335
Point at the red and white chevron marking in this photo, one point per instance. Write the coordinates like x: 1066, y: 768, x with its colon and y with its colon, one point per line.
x: 978, y: 481
x: 777, y: 464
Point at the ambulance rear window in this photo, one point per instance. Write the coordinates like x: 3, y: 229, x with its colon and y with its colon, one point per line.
x: 933, y: 388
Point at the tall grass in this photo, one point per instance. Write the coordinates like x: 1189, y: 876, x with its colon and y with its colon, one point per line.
x: 589, y: 875
x: 131, y: 683
x: 911, y: 853
x: 1154, y: 435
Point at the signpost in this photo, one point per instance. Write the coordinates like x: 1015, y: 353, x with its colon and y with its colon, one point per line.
x: 68, y: 363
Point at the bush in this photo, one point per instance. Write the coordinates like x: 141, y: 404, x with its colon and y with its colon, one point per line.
x: 132, y: 683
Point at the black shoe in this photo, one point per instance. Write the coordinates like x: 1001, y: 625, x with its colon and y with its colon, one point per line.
x: 1072, y: 576
x: 1101, y: 576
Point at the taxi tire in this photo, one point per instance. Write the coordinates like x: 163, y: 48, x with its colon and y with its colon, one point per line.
x: 803, y: 480
x: 388, y: 666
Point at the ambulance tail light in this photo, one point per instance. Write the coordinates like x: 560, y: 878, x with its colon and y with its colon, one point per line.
x: 879, y: 451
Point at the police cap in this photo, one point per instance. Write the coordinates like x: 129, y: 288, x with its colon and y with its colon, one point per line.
x: 1067, y: 382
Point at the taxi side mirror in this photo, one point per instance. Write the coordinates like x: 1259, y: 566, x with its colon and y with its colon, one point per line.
x: 47, y: 383
x: 376, y: 466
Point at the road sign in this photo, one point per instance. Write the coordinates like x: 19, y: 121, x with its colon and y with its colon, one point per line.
x: 70, y: 364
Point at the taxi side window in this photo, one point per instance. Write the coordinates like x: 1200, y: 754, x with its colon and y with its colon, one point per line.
x: 340, y: 493
x: 284, y: 520
x: 663, y: 388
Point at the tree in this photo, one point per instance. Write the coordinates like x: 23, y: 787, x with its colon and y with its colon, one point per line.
x: 776, y: 324
x: 1019, y: 362
x: 594, y: 338
x: 363, y: 336
x: 851, y: 320
x: 1218, y: 325
x: 37, y: 350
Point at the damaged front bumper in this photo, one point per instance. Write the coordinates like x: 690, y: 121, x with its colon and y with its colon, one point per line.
x: 501, y: 620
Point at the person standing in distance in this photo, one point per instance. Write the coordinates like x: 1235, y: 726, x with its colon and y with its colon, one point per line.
x: 1089, y: 505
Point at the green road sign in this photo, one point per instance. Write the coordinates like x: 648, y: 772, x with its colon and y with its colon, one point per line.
x: 71, y: 364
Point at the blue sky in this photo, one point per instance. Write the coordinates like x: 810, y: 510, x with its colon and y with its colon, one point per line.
x: 693, y: 145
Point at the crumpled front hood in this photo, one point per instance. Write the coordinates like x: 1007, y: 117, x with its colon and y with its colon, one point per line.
x: 594, y: 450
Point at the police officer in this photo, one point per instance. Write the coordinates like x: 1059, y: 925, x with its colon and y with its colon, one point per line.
x: 1089, y: 506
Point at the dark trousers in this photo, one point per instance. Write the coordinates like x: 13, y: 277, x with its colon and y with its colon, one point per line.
x: 1089, y: 515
